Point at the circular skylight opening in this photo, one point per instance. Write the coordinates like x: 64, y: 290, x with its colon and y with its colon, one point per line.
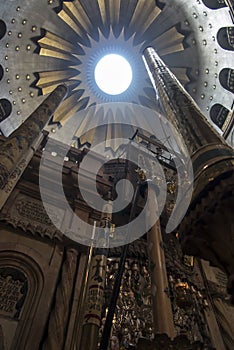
x: 113, y: 74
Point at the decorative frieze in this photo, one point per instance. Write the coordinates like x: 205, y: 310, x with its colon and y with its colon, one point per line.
x: 35, y: 211
x: 30, y: 215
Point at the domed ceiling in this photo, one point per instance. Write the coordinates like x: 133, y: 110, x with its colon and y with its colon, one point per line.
x: 48, y: 42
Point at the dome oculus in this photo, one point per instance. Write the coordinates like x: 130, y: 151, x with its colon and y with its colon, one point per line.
x: 113, y: 74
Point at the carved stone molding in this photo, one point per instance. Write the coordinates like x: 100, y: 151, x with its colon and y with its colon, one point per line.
x: 29, y: 215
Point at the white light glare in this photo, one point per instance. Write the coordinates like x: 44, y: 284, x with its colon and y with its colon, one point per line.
x: 113, y: 74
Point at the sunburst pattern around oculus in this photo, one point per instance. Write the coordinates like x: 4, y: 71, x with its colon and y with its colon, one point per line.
x: 102, y: 27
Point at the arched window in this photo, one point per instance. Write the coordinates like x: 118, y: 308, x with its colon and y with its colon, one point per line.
x: 3, y: 29
x: 5, y: 109
x: 1, y: 72
x: 21, y: 283
x: 214, y: 4
x: 226, y: 78
x: 13, y: 289
x: 225, y: 38
x: 218, y: 114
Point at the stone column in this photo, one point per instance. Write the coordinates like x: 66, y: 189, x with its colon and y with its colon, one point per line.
x: 96, y: 286
x: 207, y: 229
x: 162, y: 311
x: 19, y: 147
x: 179, y: 107
x: 59, y: 315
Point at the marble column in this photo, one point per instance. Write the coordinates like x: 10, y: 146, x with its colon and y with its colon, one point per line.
x: 19, y: 147
x: 162, y: 311
x: 207, y: 229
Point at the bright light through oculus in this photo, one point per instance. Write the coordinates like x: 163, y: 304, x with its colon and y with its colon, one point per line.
x: 113, y: 74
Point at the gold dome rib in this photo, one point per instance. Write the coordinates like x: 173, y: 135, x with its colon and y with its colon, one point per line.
x: 88, y: 120
x: 171, y: 49
x: 53, y: 45
x: 75, y: 77
x: 55, y: 76
x: 87, y: 124
x: 49, y: 80
x: 114, y: 8
x: 169, y: 42
x: 54, y: 41
x: 76, y: 18
x: 87, y: 93
x: 55, y: 54
x: 112, y: 136
x: 47, y: 88
x: 71, y: 105
x: 144, y: 15
x: 110, y: 130
x: 103, y: 12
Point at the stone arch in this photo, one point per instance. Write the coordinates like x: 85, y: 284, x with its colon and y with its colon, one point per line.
x: 225, y: 37
x: 1, y: 72
x: 226, y: 78
x: 18, y: 270
x: 214, y: 4
x: 3, y: 28
x: 218, y: 114
x: 5, y: 109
